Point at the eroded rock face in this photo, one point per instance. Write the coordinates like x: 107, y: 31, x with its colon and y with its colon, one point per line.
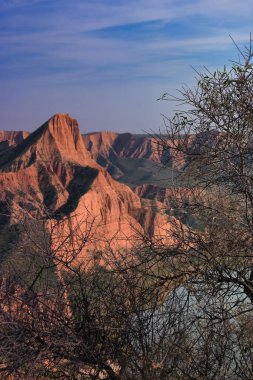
x: 13, y: 137
x: 10, y: 139
x: 52, y: 175
x: 109, y: 145
x: 122, y: 153
x: 180, y: 202
x: 38, y: 173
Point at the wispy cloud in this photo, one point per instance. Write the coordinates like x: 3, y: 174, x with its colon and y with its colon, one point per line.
x: 12, y: 4
x: 105, y: 43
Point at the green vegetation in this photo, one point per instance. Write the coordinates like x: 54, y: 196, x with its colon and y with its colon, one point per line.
x: 179, y: 309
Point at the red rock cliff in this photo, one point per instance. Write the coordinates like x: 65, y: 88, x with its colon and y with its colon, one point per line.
x: 51, y: 174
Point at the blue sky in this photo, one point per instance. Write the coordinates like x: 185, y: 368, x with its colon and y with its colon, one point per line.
x: 107, y: 61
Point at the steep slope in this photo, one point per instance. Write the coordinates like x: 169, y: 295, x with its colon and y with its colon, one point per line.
x: 107, y: 147
x: 10, y: 139
x: 13, y: 137
x: 51, y: 175
x: 56, y: 140
x: 38, y: 174
x: 134, y: 159
x: 181, y: 202
x: 110, y: 145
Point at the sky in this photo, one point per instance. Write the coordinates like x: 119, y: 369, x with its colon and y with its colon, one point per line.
x: 106, y: 62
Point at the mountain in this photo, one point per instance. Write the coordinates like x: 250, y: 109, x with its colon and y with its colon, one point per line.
x: 13, y: 137
x: 10, y: 139
x: 51, y: 175
x: 180, y: 202
x: 135, y: 159
x: 109, y: 145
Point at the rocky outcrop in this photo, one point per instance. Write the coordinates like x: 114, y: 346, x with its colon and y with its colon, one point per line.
x: 180, y: 202
x: 10, y: 139
x: 13, y: 137
x: 52, y: 175
x: 37, y: 173
x: 110, y: 144
x: 136, y: 159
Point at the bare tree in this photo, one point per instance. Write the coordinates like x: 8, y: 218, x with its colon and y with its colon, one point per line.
x: 215, y: 260
x: 58, y: 319
x: 174, y: 312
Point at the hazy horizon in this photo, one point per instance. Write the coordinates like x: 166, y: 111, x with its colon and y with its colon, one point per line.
x: 106, y: 62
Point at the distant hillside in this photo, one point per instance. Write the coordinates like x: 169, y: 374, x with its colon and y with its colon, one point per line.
x: 134, y: 159
x: 9, y: 139
x: 52, y: 175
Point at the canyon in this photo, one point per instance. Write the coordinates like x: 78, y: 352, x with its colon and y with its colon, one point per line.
x: 56, y: 175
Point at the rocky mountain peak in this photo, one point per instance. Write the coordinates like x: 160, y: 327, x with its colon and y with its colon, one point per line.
x: 62, y: 131
x: 62, y: 120
x: 57, y: 140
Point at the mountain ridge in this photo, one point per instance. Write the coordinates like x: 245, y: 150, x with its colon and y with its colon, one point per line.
x: 51, y: 173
